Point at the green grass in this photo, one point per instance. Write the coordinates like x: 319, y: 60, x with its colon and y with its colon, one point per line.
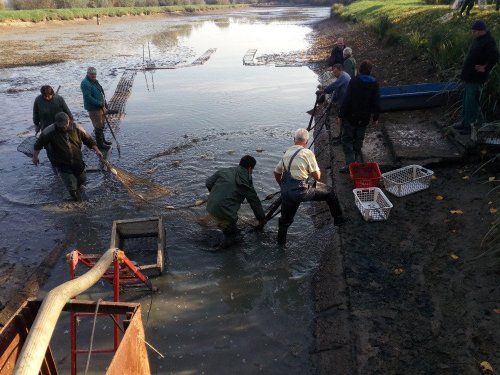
x: 422, y: 29
x: 40, y: 15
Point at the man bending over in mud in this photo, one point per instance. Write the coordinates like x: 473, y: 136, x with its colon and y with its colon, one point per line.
x: 229, y: 187
x: 65, y: 139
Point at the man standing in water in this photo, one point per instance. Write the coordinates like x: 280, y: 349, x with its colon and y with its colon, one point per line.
x: 94, y: 101
x: 292, y: 174
x: 46, y: 106
x: 228, y: 188
x: 65, y: 139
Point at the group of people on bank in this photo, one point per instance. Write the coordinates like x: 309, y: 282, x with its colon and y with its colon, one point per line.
x: 62, y: 137
x: 354, y: 98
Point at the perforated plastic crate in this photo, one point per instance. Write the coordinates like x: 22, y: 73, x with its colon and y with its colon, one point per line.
x: 372, y: 204
x: 364, y: 175
x: 407, y: 180
x: 488, y: 134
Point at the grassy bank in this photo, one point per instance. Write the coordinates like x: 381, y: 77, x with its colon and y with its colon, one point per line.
x: 40, y: 15
x: 430, y: 32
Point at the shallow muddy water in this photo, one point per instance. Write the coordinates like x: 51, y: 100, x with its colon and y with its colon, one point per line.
x: 240, y: 310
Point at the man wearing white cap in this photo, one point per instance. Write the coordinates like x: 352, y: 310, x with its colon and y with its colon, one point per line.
x: 94, y: 102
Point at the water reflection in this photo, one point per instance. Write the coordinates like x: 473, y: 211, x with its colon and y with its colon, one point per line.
x: 242, y: 310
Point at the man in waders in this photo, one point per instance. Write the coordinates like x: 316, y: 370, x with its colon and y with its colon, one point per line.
x: 94, y: 102
x: 65, y: 139
x: 292, y: 174
x: 228, y: 188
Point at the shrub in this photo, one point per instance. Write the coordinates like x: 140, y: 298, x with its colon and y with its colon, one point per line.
x: 392, y: 36
x: 123, y: 3
x: 33, y: 4
x: 416, y: 43
x: 71, y: 3
x: 382, y: 25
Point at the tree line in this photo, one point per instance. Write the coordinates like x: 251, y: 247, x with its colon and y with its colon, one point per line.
x: 61, y: 4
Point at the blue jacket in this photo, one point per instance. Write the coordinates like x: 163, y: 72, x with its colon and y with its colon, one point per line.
x: 93, y: 95
x: 338, y: 88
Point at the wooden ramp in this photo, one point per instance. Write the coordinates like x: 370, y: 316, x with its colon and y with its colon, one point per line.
x: 204, y: 58
x: 120, y: 97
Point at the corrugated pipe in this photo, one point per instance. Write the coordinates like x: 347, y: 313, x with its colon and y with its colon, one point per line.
x: 37, y: 342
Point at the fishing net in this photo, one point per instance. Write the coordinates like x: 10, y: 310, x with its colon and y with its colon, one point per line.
x: 27, y: 146
x: 274, y: 208
x: 137, y: 186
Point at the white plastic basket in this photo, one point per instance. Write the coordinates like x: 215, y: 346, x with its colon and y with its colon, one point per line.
x: 372, y: 203
x: 488, y: 134
x: 407, y: 180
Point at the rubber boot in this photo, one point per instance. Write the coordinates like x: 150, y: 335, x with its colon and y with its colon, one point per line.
x: 99, y: 138
x: 358, y: 157
x: 76, y: 195
x: 282, y: 235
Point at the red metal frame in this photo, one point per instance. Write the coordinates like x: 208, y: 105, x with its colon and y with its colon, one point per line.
x: 123, y: 271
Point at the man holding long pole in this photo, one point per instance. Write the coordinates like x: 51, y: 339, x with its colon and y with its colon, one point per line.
x: 292, y: 174
x: 94, y: 102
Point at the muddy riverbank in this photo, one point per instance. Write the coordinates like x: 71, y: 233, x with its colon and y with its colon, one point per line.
x: 417, y: 294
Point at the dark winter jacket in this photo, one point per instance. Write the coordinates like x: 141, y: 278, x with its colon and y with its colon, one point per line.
x: 229, y: 187
x: 93, y: 95
x: 44, y: 111
x: 65, y: 147
x: 483, y: 51
x: 362, y: 99
x: 337, y: 56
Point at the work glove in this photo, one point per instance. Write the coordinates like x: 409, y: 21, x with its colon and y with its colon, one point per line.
x: 37, y: 129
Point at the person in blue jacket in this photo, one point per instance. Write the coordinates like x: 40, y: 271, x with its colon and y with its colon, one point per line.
x: 361, y: 102
x: 94, y: 101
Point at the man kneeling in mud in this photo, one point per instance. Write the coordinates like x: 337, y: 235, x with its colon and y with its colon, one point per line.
x: 65, y: 140
x: 229, y: 187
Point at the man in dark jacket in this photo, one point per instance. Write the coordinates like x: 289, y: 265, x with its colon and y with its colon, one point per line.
x: 229, y: 187
x: 46, y: 106
x: 482, y: 57
x: 65, y: 139
x: 94, y: 102
x: 360, y: 103
x: 337, y: 54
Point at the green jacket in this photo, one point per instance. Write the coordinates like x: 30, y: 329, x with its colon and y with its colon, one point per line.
x: 93, y: 95
x: 229, y: 187
x: 350, y: 67
x: 65, y: 148
x: 44, y: 111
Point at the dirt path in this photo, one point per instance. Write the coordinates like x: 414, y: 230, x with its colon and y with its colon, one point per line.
x: 416, y: 294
